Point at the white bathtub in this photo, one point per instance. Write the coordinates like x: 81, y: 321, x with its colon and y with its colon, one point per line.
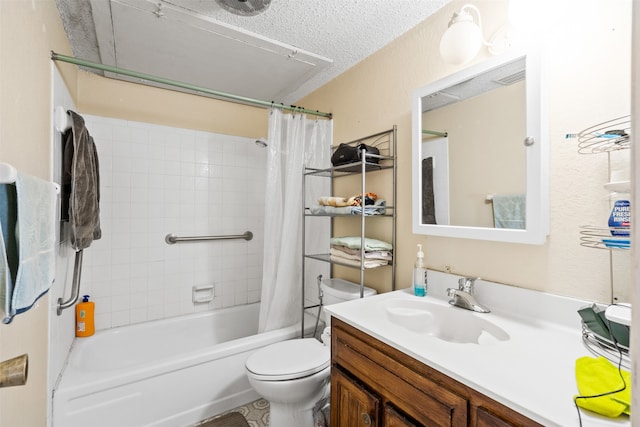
x: 171, y: 372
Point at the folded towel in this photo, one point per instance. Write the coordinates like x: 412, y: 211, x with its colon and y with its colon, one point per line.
x: 597, y: 375
x: 81, y: 182
x: 27, y: 264
x: 368, y: 263
x: 331, y: 210
x: 509, y: 211
x: 354, y: 242
x: 377, y: 209
x: 355, y: 253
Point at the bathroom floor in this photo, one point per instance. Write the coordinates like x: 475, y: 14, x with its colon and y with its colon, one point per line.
x: 256, y: 413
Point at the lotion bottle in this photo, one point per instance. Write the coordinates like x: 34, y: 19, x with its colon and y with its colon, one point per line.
x: 85, y: 326
x: 419, y: 275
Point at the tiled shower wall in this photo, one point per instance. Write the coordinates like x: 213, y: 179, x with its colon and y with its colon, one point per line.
x: 157, y: 180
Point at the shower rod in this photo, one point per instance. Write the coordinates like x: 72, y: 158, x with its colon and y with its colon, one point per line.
x: 202, y: 90
x: 435, y: 132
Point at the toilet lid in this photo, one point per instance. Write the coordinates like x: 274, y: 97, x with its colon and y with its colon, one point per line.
x: 288, y: 360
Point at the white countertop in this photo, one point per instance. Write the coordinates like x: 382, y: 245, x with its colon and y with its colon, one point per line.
x: 532, y: 372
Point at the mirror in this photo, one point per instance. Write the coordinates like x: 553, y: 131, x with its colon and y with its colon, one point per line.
x: 480, y: 160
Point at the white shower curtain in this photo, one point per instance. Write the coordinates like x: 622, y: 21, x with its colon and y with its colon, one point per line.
x: 294, y: 141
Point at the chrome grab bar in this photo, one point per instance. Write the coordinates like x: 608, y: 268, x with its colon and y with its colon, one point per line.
x: 75, y: 288
x: 172, y: 238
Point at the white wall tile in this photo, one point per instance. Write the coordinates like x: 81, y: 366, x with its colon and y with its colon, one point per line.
x: 157, y: 180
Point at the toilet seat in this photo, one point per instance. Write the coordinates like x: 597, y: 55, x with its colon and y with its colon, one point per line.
x: 288, y: 360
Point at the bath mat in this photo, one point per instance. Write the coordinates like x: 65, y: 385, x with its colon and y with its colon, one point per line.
x: 232, y: 419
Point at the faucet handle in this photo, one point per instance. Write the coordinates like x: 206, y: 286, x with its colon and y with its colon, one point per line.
x: 466, y: 283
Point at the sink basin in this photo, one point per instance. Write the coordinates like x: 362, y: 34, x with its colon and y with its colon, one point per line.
x: 445, y: 322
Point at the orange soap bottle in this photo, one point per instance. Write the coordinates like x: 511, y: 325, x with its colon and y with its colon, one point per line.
x: 84, y: 317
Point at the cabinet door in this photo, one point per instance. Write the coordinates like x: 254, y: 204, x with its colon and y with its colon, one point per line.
x: 393, y: 418
x: 427, y: 402
x: 351, y: 404
x: 489, y: 418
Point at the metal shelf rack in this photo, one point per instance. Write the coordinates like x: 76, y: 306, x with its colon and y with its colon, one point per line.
x: 385, y: 142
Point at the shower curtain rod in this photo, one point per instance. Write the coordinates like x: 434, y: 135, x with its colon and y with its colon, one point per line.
x: 435, y: 132
x: 225, y: 96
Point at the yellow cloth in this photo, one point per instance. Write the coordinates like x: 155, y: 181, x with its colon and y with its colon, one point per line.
x: 596, y: 376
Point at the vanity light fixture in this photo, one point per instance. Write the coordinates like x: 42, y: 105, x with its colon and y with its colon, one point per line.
x: 463, y: 39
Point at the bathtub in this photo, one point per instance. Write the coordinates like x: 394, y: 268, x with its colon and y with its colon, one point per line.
x: 171, y: 372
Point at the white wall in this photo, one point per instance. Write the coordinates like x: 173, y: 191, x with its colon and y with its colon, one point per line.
x: 61, y: 328
x: 157, y: 180
x: 587, y: 59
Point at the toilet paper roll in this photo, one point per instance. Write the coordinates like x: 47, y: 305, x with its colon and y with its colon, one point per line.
x: 14, y: 371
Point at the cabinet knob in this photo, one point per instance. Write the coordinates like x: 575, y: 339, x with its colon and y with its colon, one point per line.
x: 366, y: 419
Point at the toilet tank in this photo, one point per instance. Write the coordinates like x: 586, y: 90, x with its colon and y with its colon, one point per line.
x: 340, y: 290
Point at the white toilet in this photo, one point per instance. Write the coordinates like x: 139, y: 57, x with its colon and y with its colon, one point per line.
x: 293, y: 375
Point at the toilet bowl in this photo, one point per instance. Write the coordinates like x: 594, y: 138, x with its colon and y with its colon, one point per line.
x: 294, y: 375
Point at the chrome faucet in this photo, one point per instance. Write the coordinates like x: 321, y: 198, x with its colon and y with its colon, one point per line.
x: 463, y: 296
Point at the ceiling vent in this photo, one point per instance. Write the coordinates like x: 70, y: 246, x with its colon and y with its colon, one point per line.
x: 511, y: 79
x: 244, y: 7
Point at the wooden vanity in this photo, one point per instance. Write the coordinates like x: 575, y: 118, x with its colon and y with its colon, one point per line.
x: 402, y: 360
x: 373, y: 384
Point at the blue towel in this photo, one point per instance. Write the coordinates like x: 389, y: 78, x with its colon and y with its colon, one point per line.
x: 27, y: 264
x: 509, y: 211
x: 9, y: 246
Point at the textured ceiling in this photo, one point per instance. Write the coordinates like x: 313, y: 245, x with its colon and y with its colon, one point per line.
x: 280, y: 55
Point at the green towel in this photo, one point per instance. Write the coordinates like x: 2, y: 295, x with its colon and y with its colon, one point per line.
x: 354, y: 242
x: 596, y: 376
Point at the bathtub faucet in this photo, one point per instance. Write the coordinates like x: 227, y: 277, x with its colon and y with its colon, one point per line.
x: 463, y: 296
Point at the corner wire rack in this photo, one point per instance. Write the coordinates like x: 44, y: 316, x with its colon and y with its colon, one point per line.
x: 616, y: 353
x: 606, y: 137
x: 612, y: 135
x: 610, y: 238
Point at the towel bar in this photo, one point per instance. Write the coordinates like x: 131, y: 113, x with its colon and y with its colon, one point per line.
x: 172, y: 238
x: 9, y: 174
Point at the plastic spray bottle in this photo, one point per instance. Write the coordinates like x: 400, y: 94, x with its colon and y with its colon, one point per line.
x: 419, y: 275
x: 85, y: 326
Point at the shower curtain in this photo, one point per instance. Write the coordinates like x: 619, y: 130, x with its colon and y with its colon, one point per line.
x: 294, y: 142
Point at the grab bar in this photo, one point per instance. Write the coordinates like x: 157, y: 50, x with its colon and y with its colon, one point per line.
x: 75, y: 288
x: 172, y: 238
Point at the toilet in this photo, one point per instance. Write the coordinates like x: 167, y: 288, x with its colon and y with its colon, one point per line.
x: 293, y: 375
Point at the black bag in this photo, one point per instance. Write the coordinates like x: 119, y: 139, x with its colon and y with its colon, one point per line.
x: 346, y: 154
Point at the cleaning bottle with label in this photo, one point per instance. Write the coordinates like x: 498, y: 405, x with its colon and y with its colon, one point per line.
x: 420, y: 275
x: 620, y: 218
x: 85, y: 326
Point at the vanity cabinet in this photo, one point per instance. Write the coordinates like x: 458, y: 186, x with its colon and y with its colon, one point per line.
x: 374, y: 384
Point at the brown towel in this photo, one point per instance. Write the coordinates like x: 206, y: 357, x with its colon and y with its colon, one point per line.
x: 428, y: 203
x: 81, y: 182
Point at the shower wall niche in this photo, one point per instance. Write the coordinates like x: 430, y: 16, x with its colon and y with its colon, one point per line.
x: 157, y: 180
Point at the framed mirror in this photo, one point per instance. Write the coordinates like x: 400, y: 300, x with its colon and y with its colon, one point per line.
x: 480, y: 153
